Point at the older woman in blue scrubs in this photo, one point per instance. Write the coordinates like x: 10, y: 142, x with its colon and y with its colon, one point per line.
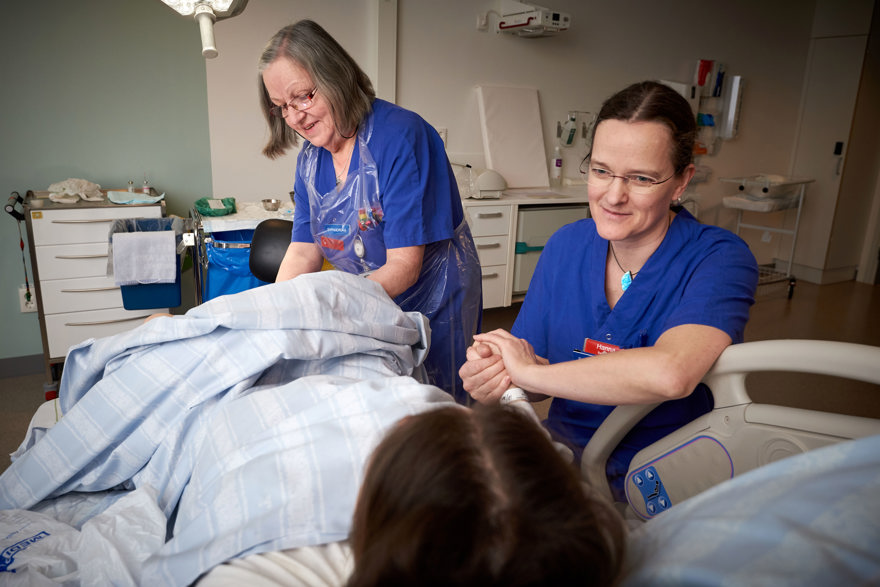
x: 633, y: 305
x: 374, y: 192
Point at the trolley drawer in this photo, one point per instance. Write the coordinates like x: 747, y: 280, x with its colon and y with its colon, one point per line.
x: 91, y: 225
x: 77, y: 295
x: 78, y: 260
x: 71, y: 328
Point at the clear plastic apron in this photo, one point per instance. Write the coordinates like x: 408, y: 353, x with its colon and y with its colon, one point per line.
x: 347, y: 223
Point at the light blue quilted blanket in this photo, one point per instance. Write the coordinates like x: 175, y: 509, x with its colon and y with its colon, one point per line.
x: 246, y: 424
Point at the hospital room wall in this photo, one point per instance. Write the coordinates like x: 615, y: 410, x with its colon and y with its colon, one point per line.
x: 125, y: 84
x: 441, y: 56
x: 104, y: 90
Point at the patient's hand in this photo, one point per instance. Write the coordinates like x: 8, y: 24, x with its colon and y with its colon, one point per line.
x: 150, y: 317
x: 483, y: 375
x: 516, y: 353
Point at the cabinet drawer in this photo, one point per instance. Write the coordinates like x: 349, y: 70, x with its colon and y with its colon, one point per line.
x: 77, y: 295
x: 494, y: 281
x: 489, y: 220
x: 90, y: 225
x: 492, y: 250
x: 65, y: 330
x: 66, y: 261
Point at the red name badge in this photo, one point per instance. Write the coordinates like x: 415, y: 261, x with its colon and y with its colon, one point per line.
x: 594, y: 347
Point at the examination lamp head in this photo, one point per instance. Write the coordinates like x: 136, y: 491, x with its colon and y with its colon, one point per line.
x: 206, y: 12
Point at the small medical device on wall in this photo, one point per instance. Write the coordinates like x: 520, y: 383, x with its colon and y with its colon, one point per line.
x: 206, y: 12
x: 530, y: 20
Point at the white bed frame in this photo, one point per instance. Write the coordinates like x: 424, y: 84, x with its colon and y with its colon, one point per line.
x: 737, y: 435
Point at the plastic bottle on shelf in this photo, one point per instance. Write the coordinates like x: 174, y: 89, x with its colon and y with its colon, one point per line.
x: 146, y: 188
x: 556, y: 167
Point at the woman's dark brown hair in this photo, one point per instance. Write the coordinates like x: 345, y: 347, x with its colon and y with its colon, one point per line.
x: 479, y: 496
x: 651, y: 101
x: 339, y: 79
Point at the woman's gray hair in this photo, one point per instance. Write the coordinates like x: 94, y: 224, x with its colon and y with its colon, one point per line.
x: 338, y: 77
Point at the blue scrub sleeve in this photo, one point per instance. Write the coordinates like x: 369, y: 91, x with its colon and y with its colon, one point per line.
x: 720, y: 290
x: 419, y: 195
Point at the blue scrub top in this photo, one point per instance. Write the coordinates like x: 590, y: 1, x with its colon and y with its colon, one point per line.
x: 700, y: 274
x: 417, y: 187
x: 420, y: 205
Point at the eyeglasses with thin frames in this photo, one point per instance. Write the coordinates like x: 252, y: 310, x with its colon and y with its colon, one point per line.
x: 298, y: 103
x: 636, y: 183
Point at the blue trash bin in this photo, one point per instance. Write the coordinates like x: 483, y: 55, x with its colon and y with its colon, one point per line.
x: 146, y: 296
x: 228, y: 270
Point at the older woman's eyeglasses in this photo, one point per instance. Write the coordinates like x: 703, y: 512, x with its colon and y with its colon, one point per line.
x: 603, y: 178
x: 298, y: 103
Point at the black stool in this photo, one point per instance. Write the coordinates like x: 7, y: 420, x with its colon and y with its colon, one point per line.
x: 270, y: 241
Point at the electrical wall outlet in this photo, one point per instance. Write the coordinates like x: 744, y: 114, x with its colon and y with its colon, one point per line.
x: 27, y: 305
x: 483, y: 21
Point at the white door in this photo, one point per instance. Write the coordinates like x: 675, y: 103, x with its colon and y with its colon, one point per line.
x: 832, y: 84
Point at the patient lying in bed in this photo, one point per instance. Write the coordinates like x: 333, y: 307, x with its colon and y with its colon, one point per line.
x: 244, y: 427
x: 239, y: 434
x: 252, y: 411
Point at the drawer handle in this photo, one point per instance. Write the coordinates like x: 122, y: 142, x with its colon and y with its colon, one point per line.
x: 490, y: 214
x: 489, y: 246
x: 92, y: 221
x: 89, y: 289
x: 490, y: 275
x: 104, y: 256
x: 100, y: 322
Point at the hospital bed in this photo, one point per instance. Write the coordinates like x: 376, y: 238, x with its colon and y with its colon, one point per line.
x: 820, y: 504
x: 762, y: 494
x: 737, y: 435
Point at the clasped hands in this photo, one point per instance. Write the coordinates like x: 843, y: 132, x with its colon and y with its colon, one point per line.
x: 495, y: 362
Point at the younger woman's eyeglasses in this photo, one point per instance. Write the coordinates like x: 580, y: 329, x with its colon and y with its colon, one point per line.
x: 603, y: 178
x: 298, y: 103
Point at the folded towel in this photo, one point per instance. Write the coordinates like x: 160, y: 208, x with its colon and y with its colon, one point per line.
x: 64, y: 198
x: 144, y: 257
x: 133, y: 197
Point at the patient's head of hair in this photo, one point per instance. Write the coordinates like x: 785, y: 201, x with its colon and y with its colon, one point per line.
x: 479, y: 496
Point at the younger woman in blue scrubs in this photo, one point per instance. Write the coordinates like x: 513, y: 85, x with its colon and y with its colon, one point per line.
x: 651, y: 296
x: 374, y: 193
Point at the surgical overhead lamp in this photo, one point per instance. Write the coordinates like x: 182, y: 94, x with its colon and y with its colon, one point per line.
x: 206, y: 12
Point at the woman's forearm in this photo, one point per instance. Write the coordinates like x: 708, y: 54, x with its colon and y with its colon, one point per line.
x: 299, y: 258
x: 670, y: 369
x: 401, y: 270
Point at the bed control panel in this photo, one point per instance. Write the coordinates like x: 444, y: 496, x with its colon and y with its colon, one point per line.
x: 648, y: 482
x: 671, y: 475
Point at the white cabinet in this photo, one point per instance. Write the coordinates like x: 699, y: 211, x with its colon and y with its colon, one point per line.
x: 494, y: 227
x: 491, y: 229
x: 76, y: 299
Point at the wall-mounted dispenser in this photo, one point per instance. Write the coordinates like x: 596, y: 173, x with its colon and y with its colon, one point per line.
x: 530, y: 20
